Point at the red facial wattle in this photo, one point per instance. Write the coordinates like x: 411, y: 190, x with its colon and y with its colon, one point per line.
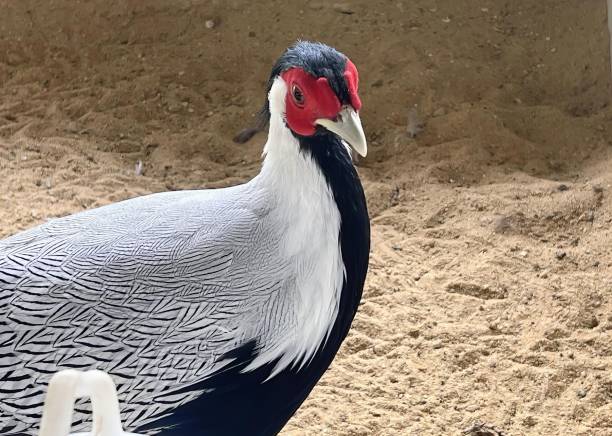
x: 319, y: 100
x: 352, y: 82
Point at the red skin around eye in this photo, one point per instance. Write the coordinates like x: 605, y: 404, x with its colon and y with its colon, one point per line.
x: 319, y: 101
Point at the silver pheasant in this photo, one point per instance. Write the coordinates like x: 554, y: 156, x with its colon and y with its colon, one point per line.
x: 201, y: 303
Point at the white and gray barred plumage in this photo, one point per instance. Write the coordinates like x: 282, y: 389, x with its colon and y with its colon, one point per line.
x: 159, y: 286
x: 164, y: 291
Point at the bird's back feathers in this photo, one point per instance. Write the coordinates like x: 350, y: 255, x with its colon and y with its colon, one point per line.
x: 154, y: 290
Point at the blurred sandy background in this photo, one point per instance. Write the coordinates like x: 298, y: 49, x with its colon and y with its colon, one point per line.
x: 490, y: 289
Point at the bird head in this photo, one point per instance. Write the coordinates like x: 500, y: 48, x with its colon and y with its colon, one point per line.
x: 320, y: 94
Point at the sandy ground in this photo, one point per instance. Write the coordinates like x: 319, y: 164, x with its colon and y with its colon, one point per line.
x: 490, y: 289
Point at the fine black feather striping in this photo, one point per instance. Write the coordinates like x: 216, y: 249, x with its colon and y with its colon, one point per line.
x: 266, y: 405
x: 207, y: 333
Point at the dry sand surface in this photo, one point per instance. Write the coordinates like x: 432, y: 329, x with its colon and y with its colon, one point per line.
x: 489, y: 295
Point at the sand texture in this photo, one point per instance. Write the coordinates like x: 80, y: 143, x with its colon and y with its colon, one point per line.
x: 489, y: 181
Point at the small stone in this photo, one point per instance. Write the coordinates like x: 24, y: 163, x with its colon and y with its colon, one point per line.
x: 415, y: 123
x: 560, y: 254
x: 523, y: 253
x: 414, y: 333
x: 138, y: 168
x: 562, y: 187
x: 439, y: 112
x: 210, y: 24
x: 315, y: 6
x: 502, y: 224
x: 343, y: 8
x: 530, y: 421
x: 591, y: 322
x: 482, y: 429
x: 72, y: 127
x: 581, y: 393
x: 251, y: 34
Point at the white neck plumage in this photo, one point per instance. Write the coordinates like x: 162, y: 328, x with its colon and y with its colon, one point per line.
x: 309, y: 220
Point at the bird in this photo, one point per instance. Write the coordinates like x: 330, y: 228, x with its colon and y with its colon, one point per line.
x: 215, y: 311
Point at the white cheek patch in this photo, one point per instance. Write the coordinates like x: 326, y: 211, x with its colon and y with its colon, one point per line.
x: 277, y: 95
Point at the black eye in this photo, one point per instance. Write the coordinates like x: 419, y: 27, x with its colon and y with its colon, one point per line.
x: 298, y: 96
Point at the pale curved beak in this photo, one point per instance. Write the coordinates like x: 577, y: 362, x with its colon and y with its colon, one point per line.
x: 348, y: 127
